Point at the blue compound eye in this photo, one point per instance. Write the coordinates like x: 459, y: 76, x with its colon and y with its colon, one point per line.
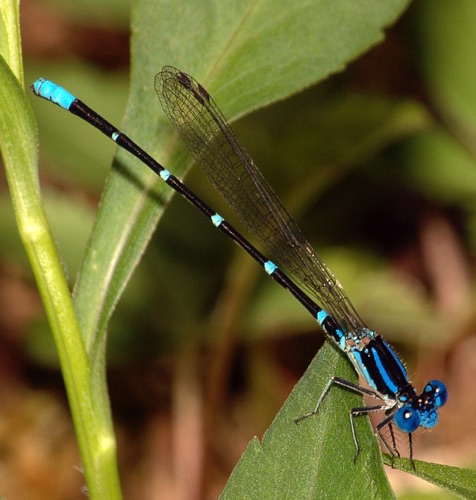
x: 407, y: 419
x: 439, y: 390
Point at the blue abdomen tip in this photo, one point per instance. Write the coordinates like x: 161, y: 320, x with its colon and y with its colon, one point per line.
x: 53, y: 92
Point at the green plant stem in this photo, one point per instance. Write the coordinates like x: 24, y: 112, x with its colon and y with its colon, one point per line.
x: 10, y: 40
x: 18, y: 141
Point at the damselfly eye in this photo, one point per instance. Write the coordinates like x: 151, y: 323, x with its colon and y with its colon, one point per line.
x: 407, y: 419
x: 439, y: 390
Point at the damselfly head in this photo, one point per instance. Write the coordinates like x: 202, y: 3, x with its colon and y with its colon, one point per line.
x: 422, y: 411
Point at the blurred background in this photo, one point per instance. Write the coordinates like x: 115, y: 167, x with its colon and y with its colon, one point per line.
x: 378, y: 166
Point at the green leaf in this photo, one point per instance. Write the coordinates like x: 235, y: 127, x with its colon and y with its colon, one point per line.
x: 315, y: 458
x: 447, y: 38
x: 461, y: 482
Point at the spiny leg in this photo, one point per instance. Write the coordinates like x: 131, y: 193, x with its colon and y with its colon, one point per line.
x: 342, y: 383
x: 410, y: 442
x: 353, y: 412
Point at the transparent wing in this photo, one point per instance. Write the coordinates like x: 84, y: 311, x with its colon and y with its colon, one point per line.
x: 223, y: 158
